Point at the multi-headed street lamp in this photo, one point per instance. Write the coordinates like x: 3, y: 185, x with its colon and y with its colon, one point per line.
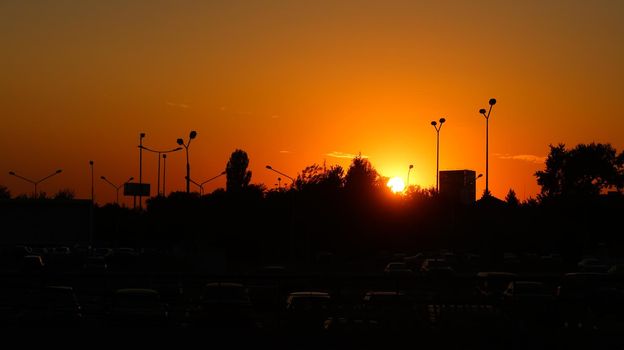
x: 482, y: 111
x: 437, y: 129
x: 117, y: 187
x: 201, y: 185
x: 192, y: 135
x: 35, y: 183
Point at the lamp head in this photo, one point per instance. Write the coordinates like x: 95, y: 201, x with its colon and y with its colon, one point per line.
x: 193, y: 134
x: 478, y: 176
x: 269, y: 167
x: 103, y: 177
x: 482, y: 111
x: 180, y: 142
x: 58, y: 171
x: 11, y: 173
x: 411, y: 166
x: 142, y: 135
x: 165, y: 155
x: 492, y: 101
x: 131, y: 178
x: 434, y: 123
x: 442, y: 120
x: 90, y: 162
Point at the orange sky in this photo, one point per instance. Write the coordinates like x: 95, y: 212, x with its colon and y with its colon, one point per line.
x: 291, y: 82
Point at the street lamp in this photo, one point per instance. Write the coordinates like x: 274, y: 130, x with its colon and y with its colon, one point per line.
x: 164, y: 157
x: 281, y: 173
x: 141, y: 136
x: 35, y: 183
x: 279, y: 183
x: 192, y: 135
x: 159, y: 153
x: 292, y: 217
x: 92, y: 184
x: 437, y: 129
x: 194, y: 183
x: 116, y: 186
x: 201, y: 185
x: 411, y: 166
x: 492, y: 102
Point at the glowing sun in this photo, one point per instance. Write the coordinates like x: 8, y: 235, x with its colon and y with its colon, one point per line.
x: 396, y: 184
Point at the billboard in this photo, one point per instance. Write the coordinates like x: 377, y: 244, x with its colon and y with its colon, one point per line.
x: 458, y: 186
x: 136, y: 189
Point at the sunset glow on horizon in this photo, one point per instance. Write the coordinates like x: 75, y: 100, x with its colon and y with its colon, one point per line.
x: 296, y: 83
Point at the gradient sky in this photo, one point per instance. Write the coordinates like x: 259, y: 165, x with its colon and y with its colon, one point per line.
x: 301, y: 82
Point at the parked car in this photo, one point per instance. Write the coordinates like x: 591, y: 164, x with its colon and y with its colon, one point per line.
x: 491, y: 285
x: 307, y: 310
x: 51, y: 306
x: 138, y: 307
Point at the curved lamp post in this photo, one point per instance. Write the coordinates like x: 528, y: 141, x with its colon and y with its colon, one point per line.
x: 35, y: 183
x: 159, y: 152
x: 192, y: 135
x: 117, y: 187
x: 437, y: 129
x: 482, y: 111
x: 292, y: 217
x: 281, y: 173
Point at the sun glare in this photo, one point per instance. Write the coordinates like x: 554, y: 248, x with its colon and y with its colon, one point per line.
x: 396, y: 184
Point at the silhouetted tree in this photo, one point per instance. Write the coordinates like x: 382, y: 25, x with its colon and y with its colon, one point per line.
x: 65, y: 193
x: 315, y: 176
x: 4, y: 192
x: 361, y: 176
x: 238, y: 176
x: 486, y: 194
x: 585, y: 170
x: 512, y: 199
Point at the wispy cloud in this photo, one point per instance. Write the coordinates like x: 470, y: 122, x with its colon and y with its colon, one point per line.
x: 286, y: 152
x: 336, y: 154
x: 275, y: 116
x: 523, y: 157
x: 179, y: 105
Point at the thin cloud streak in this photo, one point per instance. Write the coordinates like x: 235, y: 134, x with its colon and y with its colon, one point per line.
x: 522, y: 157
x: 180, y: 105
x: 336, y: 154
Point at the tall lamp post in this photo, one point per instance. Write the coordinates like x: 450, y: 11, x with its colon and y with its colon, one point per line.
x: 411, y: 166
x: 492, y: 102
x: 35, y: 183
x: 117, y: 187
x: 141, y: 136
x: 159, y: 152
x: 192, y: 135
x: 164, y: 157
x: 437, y: 129
x: 293, y: 215
x: 92, y: 184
